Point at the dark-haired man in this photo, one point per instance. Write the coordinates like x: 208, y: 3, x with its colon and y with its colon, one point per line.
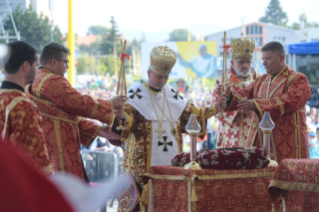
x: 62, y: 108
x: 19, y: 117
x: 283, y: 92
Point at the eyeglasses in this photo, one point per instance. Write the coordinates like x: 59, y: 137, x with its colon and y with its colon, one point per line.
x: 267, y: 59
x: 66, y: 62
x: 242, y: 62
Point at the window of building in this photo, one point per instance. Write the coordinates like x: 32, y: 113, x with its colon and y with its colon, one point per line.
x: 254, y: 30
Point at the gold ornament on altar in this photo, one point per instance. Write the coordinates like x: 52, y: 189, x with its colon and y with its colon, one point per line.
x: 162, y: 60
x: 242, y: 48
x: 193, y: 128
x: 121, y: 89
x: 267, y: 125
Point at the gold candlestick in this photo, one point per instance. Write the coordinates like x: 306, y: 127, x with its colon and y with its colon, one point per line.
x: 121, y: 84
x: 193, y: 128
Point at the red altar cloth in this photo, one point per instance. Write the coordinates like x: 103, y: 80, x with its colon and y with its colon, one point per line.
x: 215, y: 190
x: 297, y: 181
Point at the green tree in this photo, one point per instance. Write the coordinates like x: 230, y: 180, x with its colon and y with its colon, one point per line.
x: 34, y: 29
x: 274, y: 14
x: 111, y: 39
x: 303, y: 22
x: 97, y: 30
x: 180, y: 35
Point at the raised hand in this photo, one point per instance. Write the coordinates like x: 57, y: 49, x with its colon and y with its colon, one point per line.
x: 220, y: 104
x: 118, y: 102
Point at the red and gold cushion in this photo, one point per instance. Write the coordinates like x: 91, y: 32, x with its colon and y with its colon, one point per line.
x: 239, y: 158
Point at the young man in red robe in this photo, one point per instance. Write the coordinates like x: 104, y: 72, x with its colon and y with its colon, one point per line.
x: 19, y: 117
x: 282, y: 92
x: 64, y: 109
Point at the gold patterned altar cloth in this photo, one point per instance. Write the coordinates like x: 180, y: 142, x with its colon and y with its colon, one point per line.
x: 297, y: 180
x: 176, y: 189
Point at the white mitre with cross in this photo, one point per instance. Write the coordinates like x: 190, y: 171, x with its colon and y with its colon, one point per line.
x: 163, y: 146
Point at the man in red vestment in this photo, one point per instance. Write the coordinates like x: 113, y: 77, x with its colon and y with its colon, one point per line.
x: 19, y: 117
x: 62, y: 108
x: 282, y: 92
x: 235, y: 125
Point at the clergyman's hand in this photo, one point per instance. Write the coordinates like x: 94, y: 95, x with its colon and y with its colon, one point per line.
x: 118, y: 102
x: 227, y: 90
x: 106, y: 132
x: 246, y: 105
x: 220, y: 104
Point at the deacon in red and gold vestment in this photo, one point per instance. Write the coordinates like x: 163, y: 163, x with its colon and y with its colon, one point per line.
x: 283, y: 92
x: 156, y: 116
x: 19, y: 117
x: 62, y: 108
x: 235, y: 125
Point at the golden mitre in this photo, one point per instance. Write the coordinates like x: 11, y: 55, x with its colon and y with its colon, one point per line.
x: 242, y: 48
x: 162, y: 60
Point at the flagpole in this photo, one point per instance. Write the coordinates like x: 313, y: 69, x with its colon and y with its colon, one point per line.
x: 71, y: 70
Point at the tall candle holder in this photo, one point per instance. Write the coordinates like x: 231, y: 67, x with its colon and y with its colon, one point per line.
x: 267, y: 125
x: 193, y: 128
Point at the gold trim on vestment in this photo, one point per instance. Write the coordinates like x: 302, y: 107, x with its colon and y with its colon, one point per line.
x: 59, y: 142
x: 10, y: 106
x: 281, y: 105
x: 290, y: 78
x: 47, y: 102
x: 276, y: 87
x: 258, y: 108
x: 41, y: 84
x: 10, y: 90
x: 294, y: 186
x: 299, y: 139
x: 273, y: 146
x: 259, y: 93
x: 58, y: 118
x: 259, y: 136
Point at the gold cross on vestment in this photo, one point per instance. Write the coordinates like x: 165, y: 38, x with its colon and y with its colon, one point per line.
x: 160, y: 130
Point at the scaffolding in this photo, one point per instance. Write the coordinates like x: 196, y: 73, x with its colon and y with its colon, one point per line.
x: 5, y: 10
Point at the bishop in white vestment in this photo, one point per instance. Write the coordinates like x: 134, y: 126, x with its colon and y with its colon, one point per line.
x: 156, y: 116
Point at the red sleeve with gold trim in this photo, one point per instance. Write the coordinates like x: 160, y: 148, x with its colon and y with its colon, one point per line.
x: 88, y: 131
x: 297, y: 95
x: 27, y: 134
x: 58, y: 90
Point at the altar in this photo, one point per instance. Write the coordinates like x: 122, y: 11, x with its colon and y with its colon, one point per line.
x: 176, y: 189
x: 297, y: 181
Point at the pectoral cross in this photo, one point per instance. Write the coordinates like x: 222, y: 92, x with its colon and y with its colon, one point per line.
x: 165, y: 143
x: 176, y: 94
x: 160, y: 130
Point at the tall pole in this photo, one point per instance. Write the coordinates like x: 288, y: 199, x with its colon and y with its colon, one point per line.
x: 71, y: 71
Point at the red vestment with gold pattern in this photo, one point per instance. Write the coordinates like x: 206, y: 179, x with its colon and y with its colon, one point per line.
x: 284, y: 96
x: 22, y: 127
x: 235, y: 125
x: 62, y: 108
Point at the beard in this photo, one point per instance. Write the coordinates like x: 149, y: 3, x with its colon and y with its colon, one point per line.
x: 244, y: 72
